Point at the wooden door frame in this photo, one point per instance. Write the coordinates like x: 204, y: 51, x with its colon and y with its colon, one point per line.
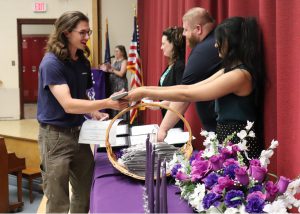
x: 21, y: 22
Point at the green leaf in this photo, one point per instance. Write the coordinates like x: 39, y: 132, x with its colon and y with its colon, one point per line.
x: 236, y: 199
x: 273, y: 175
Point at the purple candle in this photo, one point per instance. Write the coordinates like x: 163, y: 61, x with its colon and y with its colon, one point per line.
x: 164, y: 180
x: 157, y: 187
x: 151, y: 190
x: 147, y: 165
x: 161, y: 197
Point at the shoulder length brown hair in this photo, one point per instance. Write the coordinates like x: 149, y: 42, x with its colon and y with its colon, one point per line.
x: 58, y: 42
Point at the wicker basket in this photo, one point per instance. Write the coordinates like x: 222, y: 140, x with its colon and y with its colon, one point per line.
x: 186, y: 149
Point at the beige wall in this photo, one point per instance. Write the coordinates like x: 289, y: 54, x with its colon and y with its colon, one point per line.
x: 120, y: 16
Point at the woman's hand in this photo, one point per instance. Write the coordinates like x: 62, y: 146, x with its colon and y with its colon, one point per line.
x: 103, y: 67
x: 106, y: 67
x: 135, y: 94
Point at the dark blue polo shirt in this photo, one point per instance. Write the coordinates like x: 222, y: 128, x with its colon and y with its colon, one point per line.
x: 203, y: 62
x: 52, y: 71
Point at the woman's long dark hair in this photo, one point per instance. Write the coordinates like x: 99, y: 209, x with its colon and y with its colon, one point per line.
x: 58, y: 42
x: 242, y: 38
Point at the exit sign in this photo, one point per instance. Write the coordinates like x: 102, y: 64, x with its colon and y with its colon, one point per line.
x: 39, y: 7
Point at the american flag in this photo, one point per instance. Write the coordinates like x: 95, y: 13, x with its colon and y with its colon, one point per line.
x: 134, y: 65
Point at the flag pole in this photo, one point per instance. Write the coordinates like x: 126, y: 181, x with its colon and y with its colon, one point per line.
x: 106, y: 28
x: 106, y: 24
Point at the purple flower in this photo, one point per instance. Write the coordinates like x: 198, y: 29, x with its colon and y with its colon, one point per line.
x: 255, y: 204
x: 211, y: 180
x: 226, y: 153
x: 199, y: 169
x: 182, y: 176
x: 230, y: 161
x: 234, y: 198
x: 255, y: 162
x: 216, y: 162
x: 175, y: 170
x: 225, y: 182
x: 211, y: 199
x: 258, y: 172
x: 256, y: 194
x: 229, y: 170
x: 283, y: 184
x: 197, y: 156
x: 272, y: 191
x: 235, y: 148
x: 255, y: 188
x: 218, y: 189
x: 242, y: 175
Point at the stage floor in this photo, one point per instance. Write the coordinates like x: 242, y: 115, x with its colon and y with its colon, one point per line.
x: 21, y: 129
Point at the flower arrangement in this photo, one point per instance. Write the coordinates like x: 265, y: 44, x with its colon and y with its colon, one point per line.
x: 217, y: 179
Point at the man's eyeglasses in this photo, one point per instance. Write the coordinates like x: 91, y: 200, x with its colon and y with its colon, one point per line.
x: 84, y: 33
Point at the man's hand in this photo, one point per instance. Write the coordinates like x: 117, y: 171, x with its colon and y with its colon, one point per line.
x: 96, y: 115
x: 118, y: 104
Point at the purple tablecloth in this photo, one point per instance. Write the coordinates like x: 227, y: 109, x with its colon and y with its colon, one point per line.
x: 113, y: 192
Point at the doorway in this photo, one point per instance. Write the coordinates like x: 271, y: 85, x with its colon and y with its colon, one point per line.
x: 32, y: 39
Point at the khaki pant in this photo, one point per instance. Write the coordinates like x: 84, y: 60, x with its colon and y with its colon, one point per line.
x: 64, y: 161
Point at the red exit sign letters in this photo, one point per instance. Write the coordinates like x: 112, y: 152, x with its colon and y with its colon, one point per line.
x: 39, y: 7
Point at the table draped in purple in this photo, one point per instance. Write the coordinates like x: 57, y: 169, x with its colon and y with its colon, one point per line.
x: 98, y: 83
x: 113, y: 192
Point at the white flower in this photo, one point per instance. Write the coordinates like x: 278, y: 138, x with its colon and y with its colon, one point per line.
x: 229, y: 148
x: 266, y: 153
x: 265, y: 157
x: 203, y: 133
x: 264, y: 162
x: 242, y: 210
x: 195, y: 199
x: 294, y: 187
x: 251, y: 134
x: 242, y: 134
x: 274, y: 144
x: 275, y: 207
x: 243, y: 145
x: 231, y: 210
x: 210, y: 138
x: 212, y: 210
x: 184, y: 167
x: 249, y: 125
x: 208, y: 153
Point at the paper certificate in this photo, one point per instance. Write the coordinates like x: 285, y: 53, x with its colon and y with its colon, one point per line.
x: 94, y: 132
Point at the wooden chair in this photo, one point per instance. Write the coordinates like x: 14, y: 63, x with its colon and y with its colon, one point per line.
x: 10, y: 164
x: 30, y: 174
